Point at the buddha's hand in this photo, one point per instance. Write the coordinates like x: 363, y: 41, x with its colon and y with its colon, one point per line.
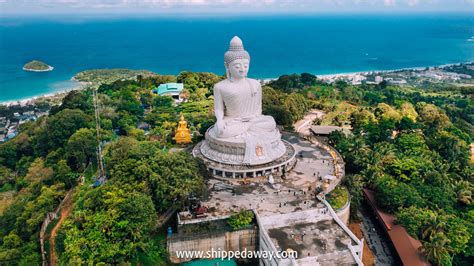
x: 247, y: 118
x: 220, y: 126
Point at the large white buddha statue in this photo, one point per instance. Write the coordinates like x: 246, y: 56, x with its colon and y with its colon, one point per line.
x: 238, y: 99
x: 241, y: 134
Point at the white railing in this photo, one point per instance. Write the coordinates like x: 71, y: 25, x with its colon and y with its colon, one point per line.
x: 269, y: 243
x: 355, y: 250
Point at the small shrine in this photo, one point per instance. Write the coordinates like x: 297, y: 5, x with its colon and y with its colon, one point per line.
x: 183, y: 134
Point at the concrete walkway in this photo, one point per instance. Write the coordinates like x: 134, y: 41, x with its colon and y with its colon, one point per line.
x: 303, y: 126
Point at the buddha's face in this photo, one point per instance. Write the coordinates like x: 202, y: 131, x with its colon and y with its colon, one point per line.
x: 238, y: 68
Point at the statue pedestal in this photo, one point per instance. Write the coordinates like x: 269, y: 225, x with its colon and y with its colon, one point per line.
x: 226, y: 157
x: 263, y: 148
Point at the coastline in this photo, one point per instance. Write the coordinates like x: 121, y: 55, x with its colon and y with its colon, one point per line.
x: 32, y: 100
x: 365, y: 72
x: 47, y: 96
x: 62, y: 92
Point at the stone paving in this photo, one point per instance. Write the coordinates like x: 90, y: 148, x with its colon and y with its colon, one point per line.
x: 296, y: 191
x: 324, y: 240
x: 376, y: 241
x: 312, y: 161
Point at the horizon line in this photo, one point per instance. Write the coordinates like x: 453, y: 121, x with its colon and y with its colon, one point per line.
x: 234, y: 14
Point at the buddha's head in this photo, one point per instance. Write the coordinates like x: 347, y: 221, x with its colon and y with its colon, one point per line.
x: 236, y: 60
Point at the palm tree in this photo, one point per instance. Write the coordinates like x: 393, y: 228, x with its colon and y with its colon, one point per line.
x: 359, y: 150
x: 465, y: 196
x: 435, y: 226
x: 372, y: 173
x: 464, y: 191
x: 437, y: 249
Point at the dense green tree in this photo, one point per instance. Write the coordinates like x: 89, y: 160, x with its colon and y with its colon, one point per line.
x: 308, y: 79
x: 163, y: 101
x: 281, y: 115
x: 170, y: 177
x: 393, y: 195
x: 406, y: 124
x: 54, y: 132
x: 8, y: 154
x: 361, y: 118
x: 81, y: 100
x: 437, y: 250
x: 195, y: 80
x: 109, y: 225
x: 286, y: 83
x: 81, y: 148
x: 450, y: 147
x: 432, y: 116
x: 415, y: 219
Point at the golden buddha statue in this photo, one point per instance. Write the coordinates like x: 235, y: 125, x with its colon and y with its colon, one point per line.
x: 183, y: 134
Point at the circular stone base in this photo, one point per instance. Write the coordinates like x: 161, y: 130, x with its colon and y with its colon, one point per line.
x: 283, y: 163
x: 233, y: 150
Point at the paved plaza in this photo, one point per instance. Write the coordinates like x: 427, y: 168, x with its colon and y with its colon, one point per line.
x: 294, y: 192
x: 288, y: 208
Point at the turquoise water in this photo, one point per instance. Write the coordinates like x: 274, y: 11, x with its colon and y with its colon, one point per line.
x: 319, y: 44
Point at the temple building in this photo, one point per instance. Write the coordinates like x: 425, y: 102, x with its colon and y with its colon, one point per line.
x: 170, y: 89
x: 183, y: 134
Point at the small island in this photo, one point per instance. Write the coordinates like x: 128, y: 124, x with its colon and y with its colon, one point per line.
x: 37, y: 66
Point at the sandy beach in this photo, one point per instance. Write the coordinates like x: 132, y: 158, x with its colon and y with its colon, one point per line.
x: 48, y: 96
x: 81, y: 85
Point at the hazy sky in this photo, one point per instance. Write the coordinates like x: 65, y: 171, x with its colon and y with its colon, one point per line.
x: 230, y: 6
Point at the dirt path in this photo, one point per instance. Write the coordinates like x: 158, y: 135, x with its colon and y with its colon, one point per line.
x: 368, y: 257
x: 65, y: 211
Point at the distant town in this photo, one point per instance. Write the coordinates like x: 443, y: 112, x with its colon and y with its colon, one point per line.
x: 9, y: 125
x: 456, y: 74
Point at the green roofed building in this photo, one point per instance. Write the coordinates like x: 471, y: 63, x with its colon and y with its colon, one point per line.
x: 170, y: 89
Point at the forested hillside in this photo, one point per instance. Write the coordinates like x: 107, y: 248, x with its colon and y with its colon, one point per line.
x: 410, y: 145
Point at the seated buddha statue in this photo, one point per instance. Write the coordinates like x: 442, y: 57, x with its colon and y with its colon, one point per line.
x: 183, y: 134
x: 238, y: 99
x: 238, y: 111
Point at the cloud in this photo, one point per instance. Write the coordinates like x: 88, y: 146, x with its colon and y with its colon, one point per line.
x: 231, y: 5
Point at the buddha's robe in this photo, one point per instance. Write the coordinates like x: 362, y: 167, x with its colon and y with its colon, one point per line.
x: 241, y: 105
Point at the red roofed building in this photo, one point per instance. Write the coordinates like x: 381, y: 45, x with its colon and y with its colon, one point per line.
x: 407, y: 247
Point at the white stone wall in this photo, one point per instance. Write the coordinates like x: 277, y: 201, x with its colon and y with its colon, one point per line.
x: 226, y: 241
x: 344, y: 213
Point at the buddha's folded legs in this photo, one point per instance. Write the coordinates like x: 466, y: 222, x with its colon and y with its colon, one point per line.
x: 263, y: 123
x: 256, y: 125
x: 234, y: 128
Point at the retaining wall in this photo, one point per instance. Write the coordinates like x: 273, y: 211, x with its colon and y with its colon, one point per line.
x: 224, y: 241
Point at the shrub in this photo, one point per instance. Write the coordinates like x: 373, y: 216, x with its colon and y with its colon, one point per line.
x: 241, y: 219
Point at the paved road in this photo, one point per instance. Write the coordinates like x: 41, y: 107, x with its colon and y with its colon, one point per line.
x: 302, y: 126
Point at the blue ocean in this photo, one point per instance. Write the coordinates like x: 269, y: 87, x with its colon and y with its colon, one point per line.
x: 319, y: 44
